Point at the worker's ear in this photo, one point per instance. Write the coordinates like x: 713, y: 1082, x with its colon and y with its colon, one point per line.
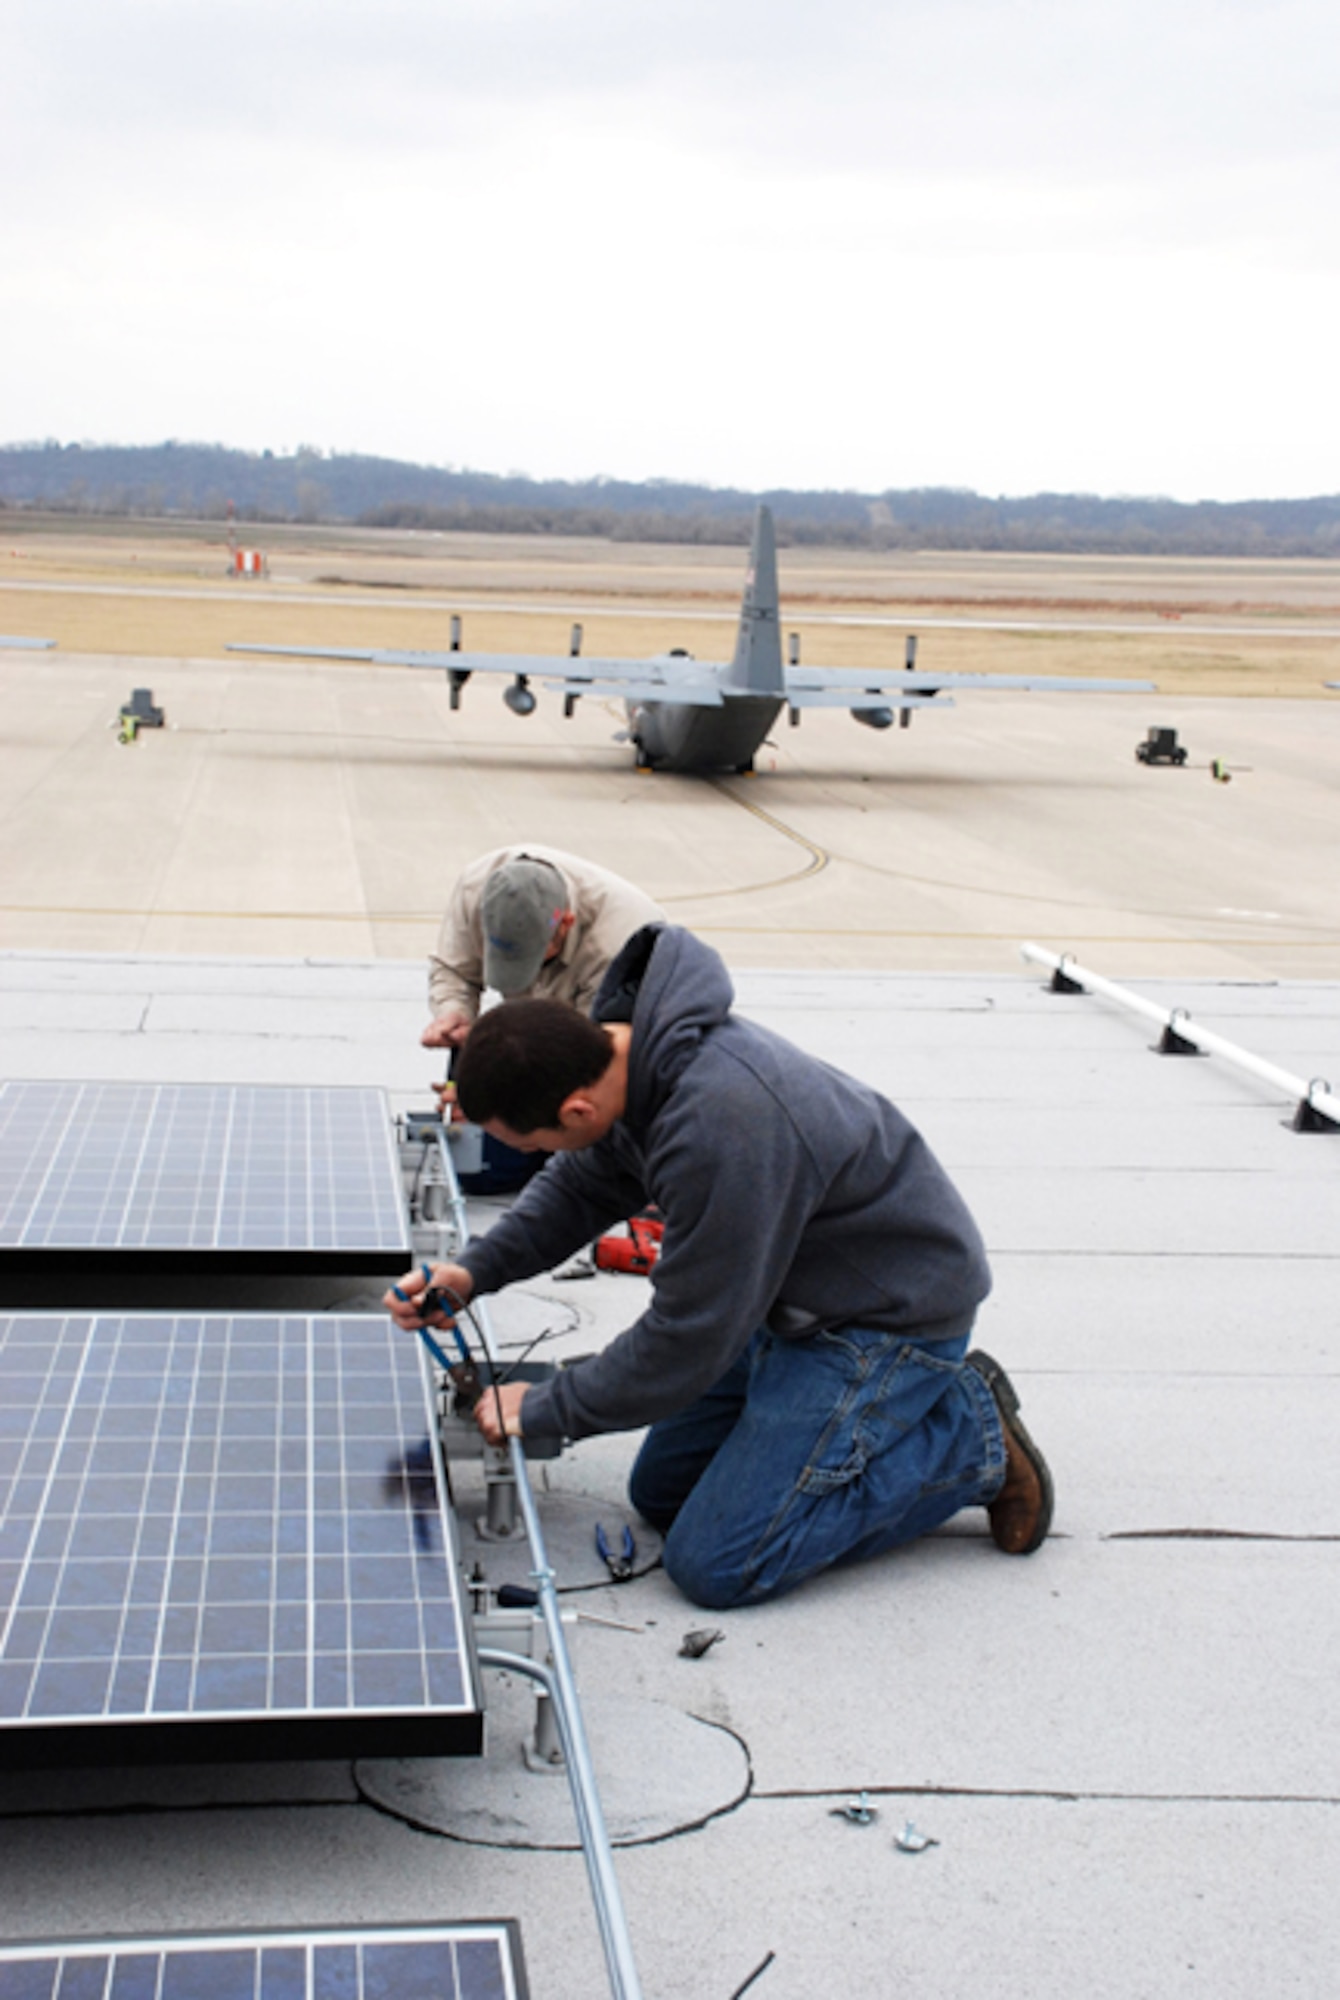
x: 578, y: 1112
x: 588, y: 1112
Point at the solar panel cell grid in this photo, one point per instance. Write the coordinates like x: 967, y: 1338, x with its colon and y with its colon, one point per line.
x: 428, y: 1962
x: 195, y: 1523
x: 200, y: 1167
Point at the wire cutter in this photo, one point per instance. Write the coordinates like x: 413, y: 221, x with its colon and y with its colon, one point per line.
x: 428, y: 1303
x: 620, y: 1567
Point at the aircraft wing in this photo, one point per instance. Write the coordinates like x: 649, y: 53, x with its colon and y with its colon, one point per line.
x: 869, y: 695
x: 832, y: 687
x: 672, y: 693
x: 671, y: 679
x: 457, y: 663
x: 678, y: 681
x: 675, y: 679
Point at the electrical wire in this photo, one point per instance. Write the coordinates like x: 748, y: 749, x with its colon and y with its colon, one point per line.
x: 458, y: 1308
x: 416, y: 1191
x: 548, y: 1333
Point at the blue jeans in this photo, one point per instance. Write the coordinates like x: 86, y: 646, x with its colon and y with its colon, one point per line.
x: 815, y: 1452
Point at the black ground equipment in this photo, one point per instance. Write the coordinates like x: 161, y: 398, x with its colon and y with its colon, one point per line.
x: 1160, y: 747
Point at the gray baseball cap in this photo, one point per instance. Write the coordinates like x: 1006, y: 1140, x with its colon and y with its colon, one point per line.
x: 522, y: 904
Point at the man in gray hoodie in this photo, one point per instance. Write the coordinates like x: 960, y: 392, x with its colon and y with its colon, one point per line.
x: 802, y: 1363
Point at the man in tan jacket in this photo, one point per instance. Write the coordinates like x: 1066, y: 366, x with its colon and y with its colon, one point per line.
x: 528, y: 920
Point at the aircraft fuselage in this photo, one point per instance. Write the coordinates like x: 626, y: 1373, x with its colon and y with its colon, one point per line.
x: 701, y: 739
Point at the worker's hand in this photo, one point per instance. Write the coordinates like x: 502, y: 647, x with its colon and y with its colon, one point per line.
x: 406, y: 1310
x: 510, y: 1396
x: 447, y: 1107
x: 448, y: 1031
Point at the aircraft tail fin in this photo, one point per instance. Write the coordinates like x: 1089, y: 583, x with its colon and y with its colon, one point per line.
x: 757, y: 665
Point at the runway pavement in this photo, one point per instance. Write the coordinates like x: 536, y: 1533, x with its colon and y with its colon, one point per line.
x: 302, y: 808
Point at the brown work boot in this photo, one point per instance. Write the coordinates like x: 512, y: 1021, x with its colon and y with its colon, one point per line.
x: 1021, y: 1512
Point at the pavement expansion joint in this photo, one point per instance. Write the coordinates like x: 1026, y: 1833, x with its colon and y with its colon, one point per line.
x: 1208, y: 1535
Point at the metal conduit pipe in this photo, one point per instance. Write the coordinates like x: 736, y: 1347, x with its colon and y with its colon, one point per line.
x: 1316, y: 1097
x: 614, y: 1938
x: 558, y: 1678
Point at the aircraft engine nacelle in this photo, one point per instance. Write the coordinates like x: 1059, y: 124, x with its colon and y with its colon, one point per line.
x: 519, y: 697
x: 873, y: 718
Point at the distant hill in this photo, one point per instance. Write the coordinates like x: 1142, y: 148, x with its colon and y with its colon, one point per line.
x: 202, y: 481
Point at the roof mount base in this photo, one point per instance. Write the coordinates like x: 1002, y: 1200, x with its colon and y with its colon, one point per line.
x: 1170, y: 1043
x: 1307, y: 1118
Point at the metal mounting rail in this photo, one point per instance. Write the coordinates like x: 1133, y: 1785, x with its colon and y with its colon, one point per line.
x: 1318, y: 1106
x: 558, y: 1677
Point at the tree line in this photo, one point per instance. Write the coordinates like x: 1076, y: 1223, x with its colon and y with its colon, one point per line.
x: 213, y: 482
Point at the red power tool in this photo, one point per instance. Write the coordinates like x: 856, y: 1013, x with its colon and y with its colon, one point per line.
x: 636, y: 1252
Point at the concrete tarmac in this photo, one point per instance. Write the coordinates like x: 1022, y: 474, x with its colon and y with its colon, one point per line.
x: 297, y: 809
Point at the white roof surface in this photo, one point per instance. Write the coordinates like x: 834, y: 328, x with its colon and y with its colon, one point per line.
x: 1126, y: 1747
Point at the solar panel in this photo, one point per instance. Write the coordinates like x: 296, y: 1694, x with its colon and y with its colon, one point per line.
x: 187, y: 1176
x: 465, y: 1961
x: 202, y: 1555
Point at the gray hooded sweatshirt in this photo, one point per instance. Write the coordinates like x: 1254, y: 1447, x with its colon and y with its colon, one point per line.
x: 791, y: 1195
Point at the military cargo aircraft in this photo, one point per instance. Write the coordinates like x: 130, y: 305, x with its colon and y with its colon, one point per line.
x: 700, y: 715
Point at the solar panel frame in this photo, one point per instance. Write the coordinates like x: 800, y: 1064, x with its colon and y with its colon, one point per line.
x: 480, y: 1959
x: 257, y: 1178
x: 202, y: 1556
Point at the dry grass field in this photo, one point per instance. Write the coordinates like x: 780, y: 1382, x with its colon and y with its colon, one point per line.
x: 1209, y: 627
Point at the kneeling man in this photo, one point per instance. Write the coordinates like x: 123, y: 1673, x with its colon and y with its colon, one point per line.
x: 803, y: 1362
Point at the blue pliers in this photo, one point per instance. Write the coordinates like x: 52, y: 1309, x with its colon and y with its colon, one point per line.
x: 428, y: 1303
x: 620, y: 1567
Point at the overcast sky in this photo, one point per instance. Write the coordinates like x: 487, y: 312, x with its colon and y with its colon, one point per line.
x: 1016, y: 245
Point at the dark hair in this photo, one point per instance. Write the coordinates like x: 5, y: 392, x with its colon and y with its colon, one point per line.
x: 524, y: 1058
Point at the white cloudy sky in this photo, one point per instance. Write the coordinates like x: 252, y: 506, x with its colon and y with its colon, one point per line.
x: 1009, y: 244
